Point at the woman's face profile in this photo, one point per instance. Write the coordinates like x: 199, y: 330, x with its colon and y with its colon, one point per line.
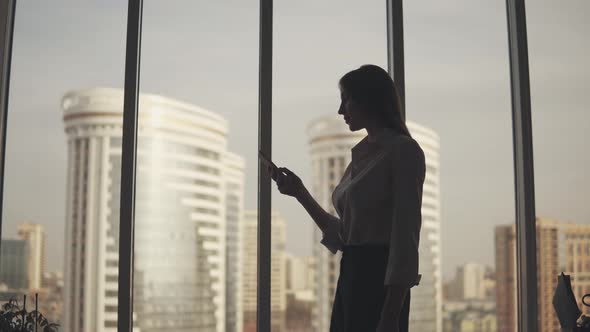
x: 352, y: 113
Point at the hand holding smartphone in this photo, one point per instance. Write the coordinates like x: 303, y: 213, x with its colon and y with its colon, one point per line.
x: 288, y: 182
x: 266, y: 161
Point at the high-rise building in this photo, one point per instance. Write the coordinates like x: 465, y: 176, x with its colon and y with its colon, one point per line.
x: 489, y: 284
x: 469, y: 282
x: 469, y: 300
x: 300, y: 298
x: 51, y: 296
x: 577, y: 261
x: 34, y: 235
x: 278, y: 271
x: 505, y: 260
x: 330, y: 142
x: 234, y: 200
x: 548, y: 268
x: 426, y: 304
x: 300, y: 273
x: 180, y: 221
x: 549, y: 255
x: 14, y: 264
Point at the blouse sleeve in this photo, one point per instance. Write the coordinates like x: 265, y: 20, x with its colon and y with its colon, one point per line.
x: 331, y: 235
x: 408, y: 178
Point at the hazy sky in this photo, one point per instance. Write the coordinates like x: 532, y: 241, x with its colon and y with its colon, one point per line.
x: 206, y: 53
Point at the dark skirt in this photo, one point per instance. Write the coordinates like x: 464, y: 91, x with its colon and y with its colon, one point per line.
x: 360, y: 291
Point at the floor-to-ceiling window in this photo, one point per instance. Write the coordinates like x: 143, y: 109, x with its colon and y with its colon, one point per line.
x: 60, y: 207
x: 315, y: 44
x: 195, y: 267
x: 196, y: 222
x: 559, y: 52
x: 458, y: 108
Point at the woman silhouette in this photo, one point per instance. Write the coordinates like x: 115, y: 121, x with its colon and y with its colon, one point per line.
x: 378, y: 201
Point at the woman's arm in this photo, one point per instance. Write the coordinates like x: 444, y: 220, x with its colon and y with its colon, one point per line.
x: 402, y: 266
x: 324, y: 220
x: 408, y: 180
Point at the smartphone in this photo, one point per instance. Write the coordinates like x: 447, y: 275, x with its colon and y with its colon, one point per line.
x: 268, y: 162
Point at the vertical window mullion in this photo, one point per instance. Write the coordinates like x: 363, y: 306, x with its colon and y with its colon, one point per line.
x: 523, y: 167
x: 395, y: 49
x: 128, y: 167
x: 263, y: 311
x: 7, y: 9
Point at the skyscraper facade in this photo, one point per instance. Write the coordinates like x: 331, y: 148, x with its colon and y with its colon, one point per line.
x: 278, y: 283
x: 505, y: 261
x: 469, y: 282
x: 34, y: 235
x: 549, y: 257
x: 330, y: 143
x: 51, y: 296
x: 14, y: 264
x: 234, y: 214
x: 577, y: 261
x: 426, y: 304
x: 180, y: 220
x: 300, y: 274
x: 300, y: 297
x: 548, y: 268
x: 249, y: 270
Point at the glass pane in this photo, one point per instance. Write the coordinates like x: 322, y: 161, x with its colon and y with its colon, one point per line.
x: 315, y: 44
x: 61, y: 199
x: 197, y: 166
x: 559, y: 71
x: 458, y: 109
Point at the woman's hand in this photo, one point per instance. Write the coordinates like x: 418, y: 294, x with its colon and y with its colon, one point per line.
x: 288, y: 182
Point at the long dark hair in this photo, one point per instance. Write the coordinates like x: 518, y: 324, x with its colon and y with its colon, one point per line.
x: 371, y: 87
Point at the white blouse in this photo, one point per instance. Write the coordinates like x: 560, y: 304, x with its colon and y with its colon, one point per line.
x: 379, y: 200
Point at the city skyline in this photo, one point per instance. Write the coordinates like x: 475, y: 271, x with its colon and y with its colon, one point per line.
x: 291, y: 284
x: 99, y: 62
x: 561, y: 247
x: 469, y: 298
